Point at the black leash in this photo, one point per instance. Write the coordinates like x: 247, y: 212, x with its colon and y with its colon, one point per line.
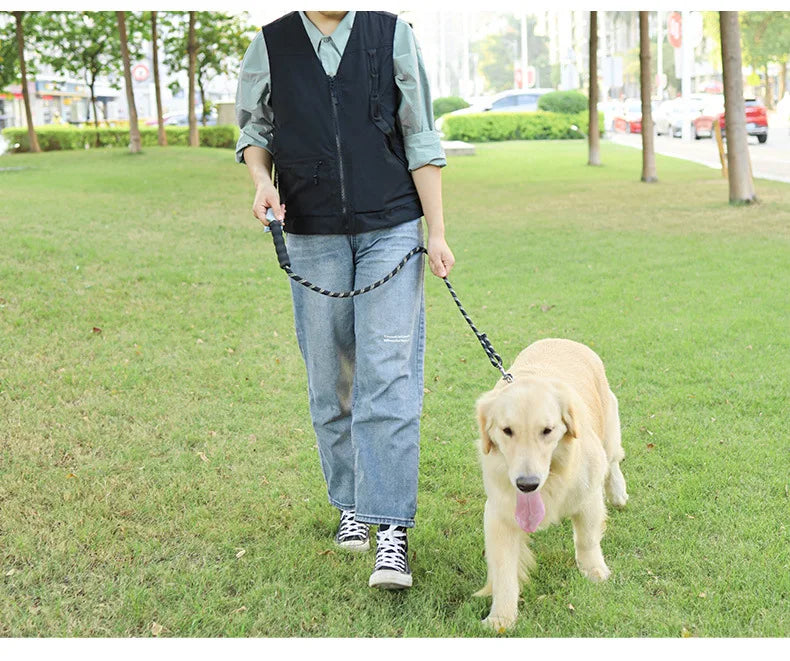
x: 285, y: 264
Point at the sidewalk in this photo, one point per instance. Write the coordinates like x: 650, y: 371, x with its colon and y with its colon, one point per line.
x: 769, y: 161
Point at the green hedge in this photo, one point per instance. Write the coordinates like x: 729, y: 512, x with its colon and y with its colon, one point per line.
x: 492, y: 126
x: 52, y: 138
x: 568, y: 102
x: 445, y: 104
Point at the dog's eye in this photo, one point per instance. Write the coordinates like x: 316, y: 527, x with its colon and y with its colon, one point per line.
x: 507, y: 431
x: 547, y: 430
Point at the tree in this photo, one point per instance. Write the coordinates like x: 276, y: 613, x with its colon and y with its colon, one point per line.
x: 593, y: 135
x: 134, y: 129
x: 162, y: 136
x: 20, y: 43
x: 645, y: 78
x: 766, y: 38
x: 192, y: 53
x: 83, y: 44
x: 222, y: 39
x: 738, y: 163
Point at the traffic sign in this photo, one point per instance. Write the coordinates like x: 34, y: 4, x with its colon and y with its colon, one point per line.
x: 675, y: 29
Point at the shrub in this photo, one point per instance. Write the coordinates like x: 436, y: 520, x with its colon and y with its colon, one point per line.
x: 445, y: 104
x: 54, y: 138
x: 568, y: 103
x: 492, y: 126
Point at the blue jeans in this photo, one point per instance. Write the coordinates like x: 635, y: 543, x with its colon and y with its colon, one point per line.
x: 364, y: 359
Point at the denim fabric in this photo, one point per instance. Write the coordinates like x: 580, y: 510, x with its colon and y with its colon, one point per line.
x: 364, y: 359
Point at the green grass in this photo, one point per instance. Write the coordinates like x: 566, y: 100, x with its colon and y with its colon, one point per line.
x: 136, y: 463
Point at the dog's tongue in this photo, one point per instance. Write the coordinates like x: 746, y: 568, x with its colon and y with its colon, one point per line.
x: 529, y: 510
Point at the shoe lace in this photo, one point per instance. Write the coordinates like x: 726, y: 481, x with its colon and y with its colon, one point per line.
x: 391, y: 548
x: 350, y: 527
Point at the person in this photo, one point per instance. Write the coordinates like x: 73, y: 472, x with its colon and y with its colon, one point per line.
x: 339, y: 102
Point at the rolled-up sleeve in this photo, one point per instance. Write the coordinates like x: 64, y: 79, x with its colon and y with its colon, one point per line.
x: 253, y: 108
x: 415, y: 111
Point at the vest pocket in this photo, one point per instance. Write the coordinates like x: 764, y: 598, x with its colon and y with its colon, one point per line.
x: 308, y: 187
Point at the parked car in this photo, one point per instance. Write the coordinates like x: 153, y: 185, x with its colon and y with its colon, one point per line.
x: 182, y: 119
x: 609, y: 110
x: 519, y: 100
x: 686, y: 110
x: 702, y: 125
x: 629, y: 120
x: 756, y: 120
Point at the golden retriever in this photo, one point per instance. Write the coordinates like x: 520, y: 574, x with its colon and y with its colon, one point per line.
x: 549, y: 446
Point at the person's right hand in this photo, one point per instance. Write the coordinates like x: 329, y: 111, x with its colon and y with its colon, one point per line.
x: 267, y: 197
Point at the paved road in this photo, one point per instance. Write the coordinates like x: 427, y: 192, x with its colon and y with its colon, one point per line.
x: 769, y: 161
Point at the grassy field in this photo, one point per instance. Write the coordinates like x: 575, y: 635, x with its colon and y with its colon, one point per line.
x: 158, y: 470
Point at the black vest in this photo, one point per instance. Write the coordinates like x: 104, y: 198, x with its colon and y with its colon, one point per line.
x: 338, y: 151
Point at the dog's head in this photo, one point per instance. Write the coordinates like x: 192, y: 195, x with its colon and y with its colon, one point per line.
x: 526, y: 421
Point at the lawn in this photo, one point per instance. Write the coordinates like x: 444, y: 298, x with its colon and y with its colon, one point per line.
x: 158, y: 470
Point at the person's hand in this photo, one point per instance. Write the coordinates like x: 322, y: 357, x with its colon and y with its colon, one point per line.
x: 440, y: 257
x: 267, y: 197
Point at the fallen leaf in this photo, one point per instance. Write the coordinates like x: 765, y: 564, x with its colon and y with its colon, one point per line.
x: 199, y: 341
x: 203, y: 456
x: 96, y: 330
x: 70, y: 475
x: 546, y: 308
x: 702, y: 595
x: 571, y: 608
x: 650, y: 446
x: 327, y: 552
x: 240, y: 610
x: 156, y: 629
x: 10, y: 572
x: 240, y: 553
x: 685, y: 633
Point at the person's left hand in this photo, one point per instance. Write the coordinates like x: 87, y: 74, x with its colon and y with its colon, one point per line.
x: 440, y: 257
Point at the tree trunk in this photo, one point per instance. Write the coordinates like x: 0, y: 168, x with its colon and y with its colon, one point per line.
x: 20, y: 42
x: 194, y: 140
x: 783, y: 80
x: 92, y: 88
x: 162, y: 136
x: 202, y: 101
x: 769, y: 97
x: 738, y: 162
x: 646, y: 76
x: 134, y: 129
x: 593, y: 136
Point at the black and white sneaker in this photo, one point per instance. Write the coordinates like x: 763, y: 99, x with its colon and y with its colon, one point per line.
x: 351, y: 534
x: 391, y: 571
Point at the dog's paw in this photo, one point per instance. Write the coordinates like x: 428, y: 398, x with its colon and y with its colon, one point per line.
x: 499, y: 623
x: 619, y: 499
x: 597, y: 574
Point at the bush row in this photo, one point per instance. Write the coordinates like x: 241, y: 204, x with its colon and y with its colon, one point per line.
x: 492, y: 126
x: 569, y: 102
x: 445, y: 104
x: 66, y: 137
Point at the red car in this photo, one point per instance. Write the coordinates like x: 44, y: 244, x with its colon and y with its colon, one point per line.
x: 629, y: 120
x: 756, y: 121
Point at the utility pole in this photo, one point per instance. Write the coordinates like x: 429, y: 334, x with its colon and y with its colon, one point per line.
x: 524, y: 52
x: 686, y: 53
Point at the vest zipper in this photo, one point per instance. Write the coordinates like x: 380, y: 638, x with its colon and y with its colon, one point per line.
x: 343, y: 197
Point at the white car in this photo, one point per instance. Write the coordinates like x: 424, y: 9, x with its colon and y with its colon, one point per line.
x: 520, y: 100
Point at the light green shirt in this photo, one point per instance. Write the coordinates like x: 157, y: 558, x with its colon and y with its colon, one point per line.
x: 415, y: 112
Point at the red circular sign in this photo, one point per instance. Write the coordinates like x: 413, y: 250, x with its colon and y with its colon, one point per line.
x: 140, y: 72
x: 675, y: 29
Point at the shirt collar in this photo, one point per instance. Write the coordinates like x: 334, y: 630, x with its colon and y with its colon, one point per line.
x: 339, y: 36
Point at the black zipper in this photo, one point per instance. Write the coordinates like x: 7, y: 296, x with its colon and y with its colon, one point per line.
x: 343, y: 197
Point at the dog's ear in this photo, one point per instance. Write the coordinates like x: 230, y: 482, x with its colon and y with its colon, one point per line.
x: 567, y: 399
x: 484, y: 403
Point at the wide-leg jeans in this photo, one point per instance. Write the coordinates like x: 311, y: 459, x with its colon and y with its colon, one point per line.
x: 364, y: 359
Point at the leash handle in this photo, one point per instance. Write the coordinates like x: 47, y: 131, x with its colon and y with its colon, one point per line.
x: 276, y: 228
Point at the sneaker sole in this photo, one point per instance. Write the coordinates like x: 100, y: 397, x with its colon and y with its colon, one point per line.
x: 354, y: 546
x: 389, y: 579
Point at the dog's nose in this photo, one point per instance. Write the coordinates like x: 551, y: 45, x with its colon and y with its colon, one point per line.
x: 527, y: 484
